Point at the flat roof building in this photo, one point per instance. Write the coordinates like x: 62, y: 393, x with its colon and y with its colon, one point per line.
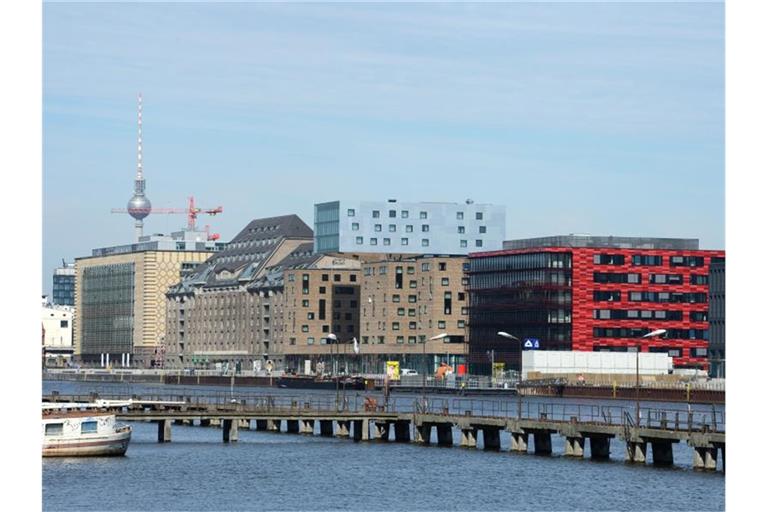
x: 120, y: 296
x: 63, y: 291
x: 408, y: 227
x: 587, y: 293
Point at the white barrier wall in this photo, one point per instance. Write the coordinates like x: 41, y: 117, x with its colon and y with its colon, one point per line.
x: 552, y: 361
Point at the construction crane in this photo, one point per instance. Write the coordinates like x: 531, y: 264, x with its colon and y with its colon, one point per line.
x: 190, y: 211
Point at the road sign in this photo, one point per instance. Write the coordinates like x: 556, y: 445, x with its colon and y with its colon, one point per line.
x: 530, y: 343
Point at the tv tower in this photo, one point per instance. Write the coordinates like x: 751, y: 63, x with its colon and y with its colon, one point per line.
x: 139, y: 206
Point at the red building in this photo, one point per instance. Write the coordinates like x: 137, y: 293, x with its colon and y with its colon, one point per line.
x: 591, y: 294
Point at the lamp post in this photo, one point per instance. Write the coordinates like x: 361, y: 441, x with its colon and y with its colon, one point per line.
x: 331, y: 338
x: 440, y: 336
x: 520, y: 371
x: 652, y: 334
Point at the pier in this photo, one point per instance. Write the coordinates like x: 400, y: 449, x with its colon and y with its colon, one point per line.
x: 448, y: 422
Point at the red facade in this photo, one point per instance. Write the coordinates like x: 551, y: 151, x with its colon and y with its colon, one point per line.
x: 687, y: 336
x: 584, y: 304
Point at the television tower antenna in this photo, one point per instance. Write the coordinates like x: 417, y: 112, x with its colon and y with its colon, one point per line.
x: 139, y: 206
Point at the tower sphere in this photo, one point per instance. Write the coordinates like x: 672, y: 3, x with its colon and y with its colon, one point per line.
x: 139, y: 207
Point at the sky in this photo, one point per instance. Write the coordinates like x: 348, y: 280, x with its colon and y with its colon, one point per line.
x: 600, y: 118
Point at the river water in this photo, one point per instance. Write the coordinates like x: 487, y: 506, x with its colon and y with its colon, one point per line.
x: 269, y: 471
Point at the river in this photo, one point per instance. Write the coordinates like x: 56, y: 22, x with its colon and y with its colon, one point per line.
x: 268, y: 471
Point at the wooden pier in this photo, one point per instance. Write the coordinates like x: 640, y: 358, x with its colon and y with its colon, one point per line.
x: 435, y: 421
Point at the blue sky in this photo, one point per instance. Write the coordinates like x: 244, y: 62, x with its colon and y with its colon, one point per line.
x: 602, y: 118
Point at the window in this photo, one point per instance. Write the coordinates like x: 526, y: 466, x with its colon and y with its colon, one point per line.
x: 409, y: 228
x: 412, y: 284
x: 355, y: 226
x: 395, y: 326
x: 352, y: 278
x: 374, y: 241
x: 395, y: 298
x: 460, y: 324
x: 479, y: 216
x: 392, y: 214
x: 387, y: 241
x: 444, y: 281
x: 698, y: 352
x: 88, y: 427
x: 425, y: 267
x: 376, y: 214
x: 695, y: 279
x: 64, y: 323
x: 422, y: 215
x: 646, y: 260
x: 403, y: 241
x: 699, y: 316
x: 411, y: 270
x: 324, y: 277
x: 310, y: 340
x: 359, y: 240
x: 400, y: 311
x: 291, y: 277
x: 461, y: 230
x: 425, y: 228
x: 336, y: 277
x: 310, y: 316
x: 400, y: 339
x: 482, y: 229
x: 351, y: 212
x: 304, y: 328
x: 425, y: 242
x: 442, y: 266
x: 305, y: 303
x: 462, y: 243
x: 322, y: 289
x: 478, y: 243
x: 686, y: 261
x: 411, y: 312
x: 404, y: 214
x: 377, y: 227
x: 459, y: 215
x: 608, y: 259
x: 412, y: 325
x: 412, y: 298
x: 54, y: 429
x: 441, y: 324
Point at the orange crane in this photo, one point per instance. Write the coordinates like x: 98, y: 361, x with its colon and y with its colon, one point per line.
x: 190, y: 211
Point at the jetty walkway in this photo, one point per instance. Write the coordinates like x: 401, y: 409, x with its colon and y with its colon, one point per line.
x: 476, y: 422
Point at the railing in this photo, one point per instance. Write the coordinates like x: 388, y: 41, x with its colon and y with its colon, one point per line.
x: 674, y: 419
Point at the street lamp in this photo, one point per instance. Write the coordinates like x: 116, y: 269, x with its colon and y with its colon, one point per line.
x: 440, y: 336
x: 520, y: 371
x: 652, y: 334
x: 331, y: 338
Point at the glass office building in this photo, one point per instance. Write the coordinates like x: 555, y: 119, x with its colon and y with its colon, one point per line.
x: 63, y: 292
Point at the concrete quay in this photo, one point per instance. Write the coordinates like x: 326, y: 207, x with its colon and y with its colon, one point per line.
x: 440, y: 423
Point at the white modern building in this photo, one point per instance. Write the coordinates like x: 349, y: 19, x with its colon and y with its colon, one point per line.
x: 409, y: 228
x: 57, y: 333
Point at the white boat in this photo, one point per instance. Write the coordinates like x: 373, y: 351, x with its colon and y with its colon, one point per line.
x: 80, y: 430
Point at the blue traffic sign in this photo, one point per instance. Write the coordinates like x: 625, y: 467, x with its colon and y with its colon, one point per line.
x: 530, y: 343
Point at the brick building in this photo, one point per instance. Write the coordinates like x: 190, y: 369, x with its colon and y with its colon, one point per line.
x: 405, y: 302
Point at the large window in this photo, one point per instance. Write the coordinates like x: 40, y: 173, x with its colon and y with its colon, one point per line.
x: 646, y: 260
x: 54, y: 429
x: 686, y: 261
x: 88, y: 427
x: 608, y: 259
x: 611, y: 277
x: 611, y: 296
